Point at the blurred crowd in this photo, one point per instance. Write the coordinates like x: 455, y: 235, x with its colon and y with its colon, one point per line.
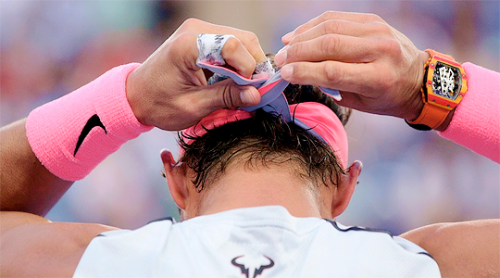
x: 410, y: 178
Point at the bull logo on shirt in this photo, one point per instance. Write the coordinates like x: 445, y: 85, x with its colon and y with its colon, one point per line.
x: 252, y: 267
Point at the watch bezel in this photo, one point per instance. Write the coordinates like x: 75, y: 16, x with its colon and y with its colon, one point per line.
x: 435, y: 99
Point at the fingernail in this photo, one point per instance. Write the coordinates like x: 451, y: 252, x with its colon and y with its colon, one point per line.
x: 286, y: 72
x: 165, y: 157
x: 360, y: 166
x: 280, y: 58
x: 248, y: 97
x: 287, y: 36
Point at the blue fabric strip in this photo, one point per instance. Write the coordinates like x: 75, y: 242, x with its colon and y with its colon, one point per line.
x: 273, y: 101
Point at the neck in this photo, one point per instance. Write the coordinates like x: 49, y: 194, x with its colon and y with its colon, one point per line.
x: 241, y: 187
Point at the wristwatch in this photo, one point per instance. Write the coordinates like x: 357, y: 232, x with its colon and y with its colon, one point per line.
x: 444, y: 86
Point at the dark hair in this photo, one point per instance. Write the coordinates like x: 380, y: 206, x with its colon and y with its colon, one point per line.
x: 267, y: 139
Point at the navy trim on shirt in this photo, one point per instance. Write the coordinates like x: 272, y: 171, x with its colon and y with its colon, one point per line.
x: 356, y: 228
x: 163, y: 219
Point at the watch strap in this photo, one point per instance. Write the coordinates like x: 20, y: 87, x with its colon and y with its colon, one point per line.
x: 427, y: 116
x: 433, y: 53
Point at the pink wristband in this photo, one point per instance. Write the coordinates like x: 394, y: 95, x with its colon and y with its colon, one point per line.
x: 476, y: 122
x: 74, y: 133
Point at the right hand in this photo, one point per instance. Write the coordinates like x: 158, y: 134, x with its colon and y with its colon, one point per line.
x: 170, y: 91
x: 375, y: 67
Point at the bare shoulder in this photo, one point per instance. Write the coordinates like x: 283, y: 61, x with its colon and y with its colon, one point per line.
x: 33, y: 246
x: 462, y: 249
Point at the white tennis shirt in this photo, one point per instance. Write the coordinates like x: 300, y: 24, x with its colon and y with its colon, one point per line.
x: 253, y: 242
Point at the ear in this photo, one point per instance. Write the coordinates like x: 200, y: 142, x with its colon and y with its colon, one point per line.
x: 345, y: 188
x: 176, y: 178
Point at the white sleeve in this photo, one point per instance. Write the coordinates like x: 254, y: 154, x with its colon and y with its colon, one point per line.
x: 124, y: 253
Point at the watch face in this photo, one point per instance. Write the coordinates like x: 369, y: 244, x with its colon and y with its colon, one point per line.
x: 446, y: 81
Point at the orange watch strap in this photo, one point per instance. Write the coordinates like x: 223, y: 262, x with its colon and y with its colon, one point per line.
x: 435, y: 53
x: 428, y: 116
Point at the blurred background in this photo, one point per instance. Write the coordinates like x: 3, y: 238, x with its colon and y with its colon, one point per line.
x: 409, y: 179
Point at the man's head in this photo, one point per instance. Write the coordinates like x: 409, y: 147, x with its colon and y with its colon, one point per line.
x: 263, y: 142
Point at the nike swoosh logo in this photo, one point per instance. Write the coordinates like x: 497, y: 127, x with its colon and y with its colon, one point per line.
x: 94, y: 121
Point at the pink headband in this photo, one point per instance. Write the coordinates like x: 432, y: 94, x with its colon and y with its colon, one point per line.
x: 316, y: 118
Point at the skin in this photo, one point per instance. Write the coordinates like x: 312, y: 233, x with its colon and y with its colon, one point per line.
x: 243, y: 187
x: 379, y: 70
x: 33, y: 246
x: 177, y: 96
x: 157, y: 95
x: 20, y: 171
x: 376, y: 68
x: 463, y: 249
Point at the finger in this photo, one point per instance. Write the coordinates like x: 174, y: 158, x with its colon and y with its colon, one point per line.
x: 342, y: 41
x: 249, y: 39
x: 331, y: 47
x: 331, y: 74
x: 236, y: 55
x: 356, y: 168
x: 226, y: 94
x: 167, y: 157
x: 329, y: 15
x: 183, y: 50
x: 340, y: 27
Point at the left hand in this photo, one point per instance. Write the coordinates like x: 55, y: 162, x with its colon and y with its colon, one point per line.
x: 375, y: 67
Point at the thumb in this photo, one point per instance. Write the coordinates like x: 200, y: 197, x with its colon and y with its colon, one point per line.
x: 227, y: 94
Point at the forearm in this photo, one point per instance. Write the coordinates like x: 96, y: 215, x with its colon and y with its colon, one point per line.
x: 26, y: 185
x: 476, y: 121
x: 66, y: 138
x: 463, y: 249
x: 59, y: 143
